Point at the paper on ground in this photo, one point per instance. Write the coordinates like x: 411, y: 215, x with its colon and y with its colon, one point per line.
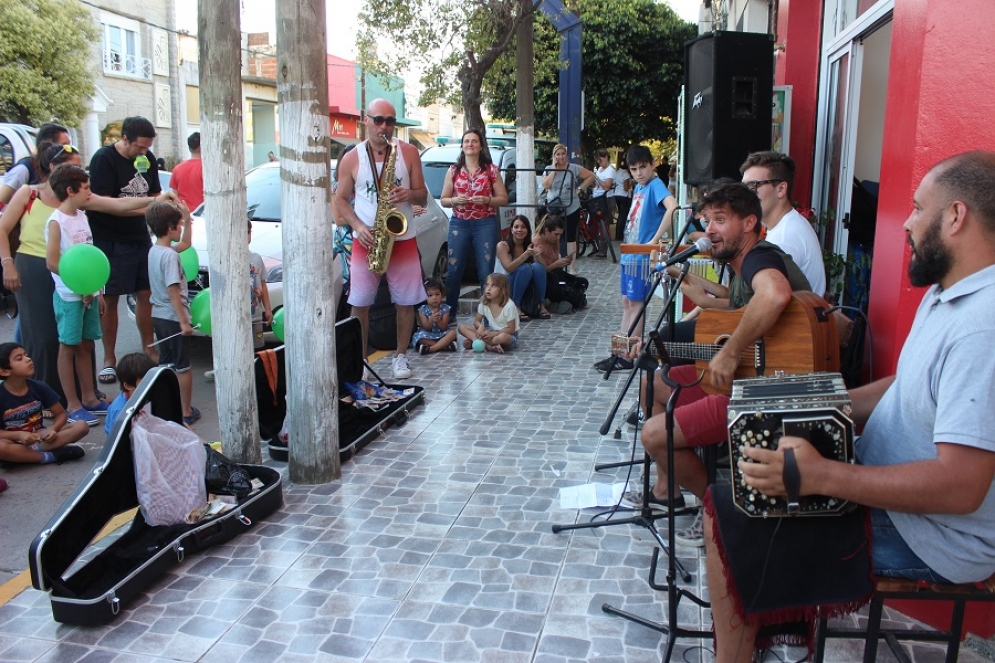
x: 592, y: 494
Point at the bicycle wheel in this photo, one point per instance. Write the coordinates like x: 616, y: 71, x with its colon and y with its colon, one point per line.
x: 583, y: 234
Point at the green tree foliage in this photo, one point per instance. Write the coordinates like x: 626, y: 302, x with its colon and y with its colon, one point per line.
x: 45, y: 61
x: 453, y: 42
x: 633, y: 68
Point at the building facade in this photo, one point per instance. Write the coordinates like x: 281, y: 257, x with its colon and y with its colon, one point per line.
x: 137, y: 73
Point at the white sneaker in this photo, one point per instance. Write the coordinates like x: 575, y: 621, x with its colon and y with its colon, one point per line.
x: 209, y: 375
x: 400, y: 367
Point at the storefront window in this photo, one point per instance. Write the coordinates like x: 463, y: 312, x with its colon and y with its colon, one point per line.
x: 839, y: 14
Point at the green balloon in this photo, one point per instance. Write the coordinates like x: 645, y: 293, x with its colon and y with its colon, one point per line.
x: 190, y: 262
x: 84, y: 269
x: 278, y: 325
x: 200, y: 311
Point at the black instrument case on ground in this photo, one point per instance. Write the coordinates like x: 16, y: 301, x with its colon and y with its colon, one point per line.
x: 357, y: 426
x: 90, y: 584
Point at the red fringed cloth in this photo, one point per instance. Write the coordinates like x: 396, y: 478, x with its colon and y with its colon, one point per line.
x: 786, y: 573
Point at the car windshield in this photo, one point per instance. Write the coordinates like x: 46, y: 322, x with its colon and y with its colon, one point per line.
x: 262, y: 192
x: 435, y: 177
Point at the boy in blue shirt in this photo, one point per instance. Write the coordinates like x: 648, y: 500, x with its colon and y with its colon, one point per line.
x: 650, y: 215
x: 131, y: 368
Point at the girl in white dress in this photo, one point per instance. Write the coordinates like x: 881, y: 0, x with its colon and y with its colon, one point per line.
x: 496, y: 323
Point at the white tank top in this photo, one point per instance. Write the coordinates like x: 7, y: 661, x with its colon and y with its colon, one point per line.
x: 366, y: 186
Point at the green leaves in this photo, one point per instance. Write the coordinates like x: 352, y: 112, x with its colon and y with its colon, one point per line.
x: 45, y: 53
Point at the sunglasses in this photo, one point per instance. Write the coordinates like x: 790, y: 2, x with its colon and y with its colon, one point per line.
x: 380, y: 119
x: 753, y: 186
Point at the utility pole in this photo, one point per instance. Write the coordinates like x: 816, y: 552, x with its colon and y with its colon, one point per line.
x: 223, y: 143
x: 525, y: 184
x: 309, y: 298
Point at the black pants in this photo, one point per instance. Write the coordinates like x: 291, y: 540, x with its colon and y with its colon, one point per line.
x: 623, y: 204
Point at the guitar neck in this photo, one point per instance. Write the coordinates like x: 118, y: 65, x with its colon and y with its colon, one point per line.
x: 694, y: 351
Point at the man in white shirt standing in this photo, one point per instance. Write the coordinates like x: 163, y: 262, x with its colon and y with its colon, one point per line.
x: 771, y: 176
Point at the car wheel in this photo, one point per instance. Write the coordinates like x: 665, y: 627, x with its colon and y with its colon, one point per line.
x: 441, y: 265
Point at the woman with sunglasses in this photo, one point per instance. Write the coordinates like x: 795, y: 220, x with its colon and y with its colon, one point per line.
x: 562, y: 181
x: 475, y: 191
x: 26, y: 274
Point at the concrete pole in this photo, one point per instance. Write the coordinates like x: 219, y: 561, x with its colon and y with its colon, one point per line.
x: 224, y: 196
x: 309, y: 298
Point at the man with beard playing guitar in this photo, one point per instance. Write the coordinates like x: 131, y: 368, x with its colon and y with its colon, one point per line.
x: 764, y: 278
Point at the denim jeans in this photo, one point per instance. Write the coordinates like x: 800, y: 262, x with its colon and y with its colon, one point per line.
x: 892, y: 556
x: 465, y: 236
x: 523, y: 276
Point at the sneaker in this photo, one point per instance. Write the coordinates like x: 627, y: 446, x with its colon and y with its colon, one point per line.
x: 423, y: 349
x: 193, y: 417
x: 635, y: 417
x: 209, y: 375
x: 634, y: 499
x: 621, y: 364
x: 99, y: 408
x: 66, y: 453
x: 85, y: 416
x: 453, y: 347
x: 400, y: 367
x: 692, y: 537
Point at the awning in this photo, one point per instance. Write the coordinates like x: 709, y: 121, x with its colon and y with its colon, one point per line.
x: 423, y: 138
x: 345, y: 141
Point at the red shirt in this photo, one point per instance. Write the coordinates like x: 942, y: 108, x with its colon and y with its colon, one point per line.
x: 480, y: 183
x: 187, y: 181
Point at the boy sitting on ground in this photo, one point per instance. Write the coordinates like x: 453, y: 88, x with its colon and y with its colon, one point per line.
x: 23, y: 438
x: 131, y: 368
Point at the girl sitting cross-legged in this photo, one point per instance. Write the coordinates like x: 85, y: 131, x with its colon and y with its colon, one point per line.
x: 432, y: 333
x: 496, y: 323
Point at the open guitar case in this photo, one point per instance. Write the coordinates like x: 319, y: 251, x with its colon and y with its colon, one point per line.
x: 357, y: 426
x: 88, y: 584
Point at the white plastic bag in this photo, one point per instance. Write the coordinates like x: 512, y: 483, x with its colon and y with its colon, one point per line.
x: 169, y: 469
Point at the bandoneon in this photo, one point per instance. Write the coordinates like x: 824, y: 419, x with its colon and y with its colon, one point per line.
x: 815, y: 406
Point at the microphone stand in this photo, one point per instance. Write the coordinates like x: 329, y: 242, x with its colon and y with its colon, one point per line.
x: 647, y: 363
x: 674, y: 593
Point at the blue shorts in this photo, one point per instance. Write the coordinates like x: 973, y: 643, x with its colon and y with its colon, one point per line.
x: 634, y: 286
x: 176, y: 351
x: 892, y: 557
x: 74, y: 321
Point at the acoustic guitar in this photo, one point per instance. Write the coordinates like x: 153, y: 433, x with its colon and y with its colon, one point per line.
x: 803, y: 340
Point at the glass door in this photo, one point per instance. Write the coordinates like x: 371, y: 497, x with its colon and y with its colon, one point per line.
x: 834, y: 168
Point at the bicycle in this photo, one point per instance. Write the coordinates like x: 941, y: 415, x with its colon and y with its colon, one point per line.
x: 592, y: 231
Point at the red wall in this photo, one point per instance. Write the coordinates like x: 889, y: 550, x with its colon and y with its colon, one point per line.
x: 797, y: 65
x: 939, y: 104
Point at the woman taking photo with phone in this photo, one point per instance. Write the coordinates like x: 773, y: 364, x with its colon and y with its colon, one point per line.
x: 475, y: 191
x: 562, y: 181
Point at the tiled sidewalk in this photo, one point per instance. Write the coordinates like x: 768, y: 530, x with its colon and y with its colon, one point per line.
x: 435, y: 545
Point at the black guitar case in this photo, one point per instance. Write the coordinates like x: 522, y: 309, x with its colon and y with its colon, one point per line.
x: 357, y: 426
x: 90, y: 584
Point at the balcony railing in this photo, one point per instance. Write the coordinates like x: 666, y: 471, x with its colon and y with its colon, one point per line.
x: 127, y: 65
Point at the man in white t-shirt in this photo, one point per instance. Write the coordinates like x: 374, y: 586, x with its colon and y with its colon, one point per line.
x: 771, y: 176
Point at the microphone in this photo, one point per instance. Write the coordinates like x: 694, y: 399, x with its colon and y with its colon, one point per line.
x: 703, y: 245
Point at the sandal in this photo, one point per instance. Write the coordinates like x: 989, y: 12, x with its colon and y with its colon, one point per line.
x: 544, y: 315
x: 524, y: 317
x: 107, y: 375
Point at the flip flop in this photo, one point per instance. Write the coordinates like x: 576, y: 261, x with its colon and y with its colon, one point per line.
x: 524, y: 318
x: 107, y: 375
x: 544, y: 315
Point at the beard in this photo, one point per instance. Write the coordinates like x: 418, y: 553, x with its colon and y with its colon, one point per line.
x: 931, y: 260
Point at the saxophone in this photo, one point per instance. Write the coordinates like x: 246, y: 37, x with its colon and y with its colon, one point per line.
x: 389, y: 223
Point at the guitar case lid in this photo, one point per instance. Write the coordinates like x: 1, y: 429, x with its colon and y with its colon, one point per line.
x: 108, y: 490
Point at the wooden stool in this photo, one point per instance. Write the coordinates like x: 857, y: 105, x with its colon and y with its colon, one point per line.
x: 899, y: 588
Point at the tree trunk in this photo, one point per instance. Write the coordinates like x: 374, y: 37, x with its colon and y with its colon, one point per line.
x: 470, y: 83
x: 309, y: 299
x: 224, y: 195
x: 525, y: 183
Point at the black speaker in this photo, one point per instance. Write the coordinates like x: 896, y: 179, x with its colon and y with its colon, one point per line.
x: 728, y: 90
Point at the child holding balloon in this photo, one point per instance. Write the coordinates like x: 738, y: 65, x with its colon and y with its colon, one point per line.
x: 171, y: 222
x: 77, y: 306
x: 495, y: 328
